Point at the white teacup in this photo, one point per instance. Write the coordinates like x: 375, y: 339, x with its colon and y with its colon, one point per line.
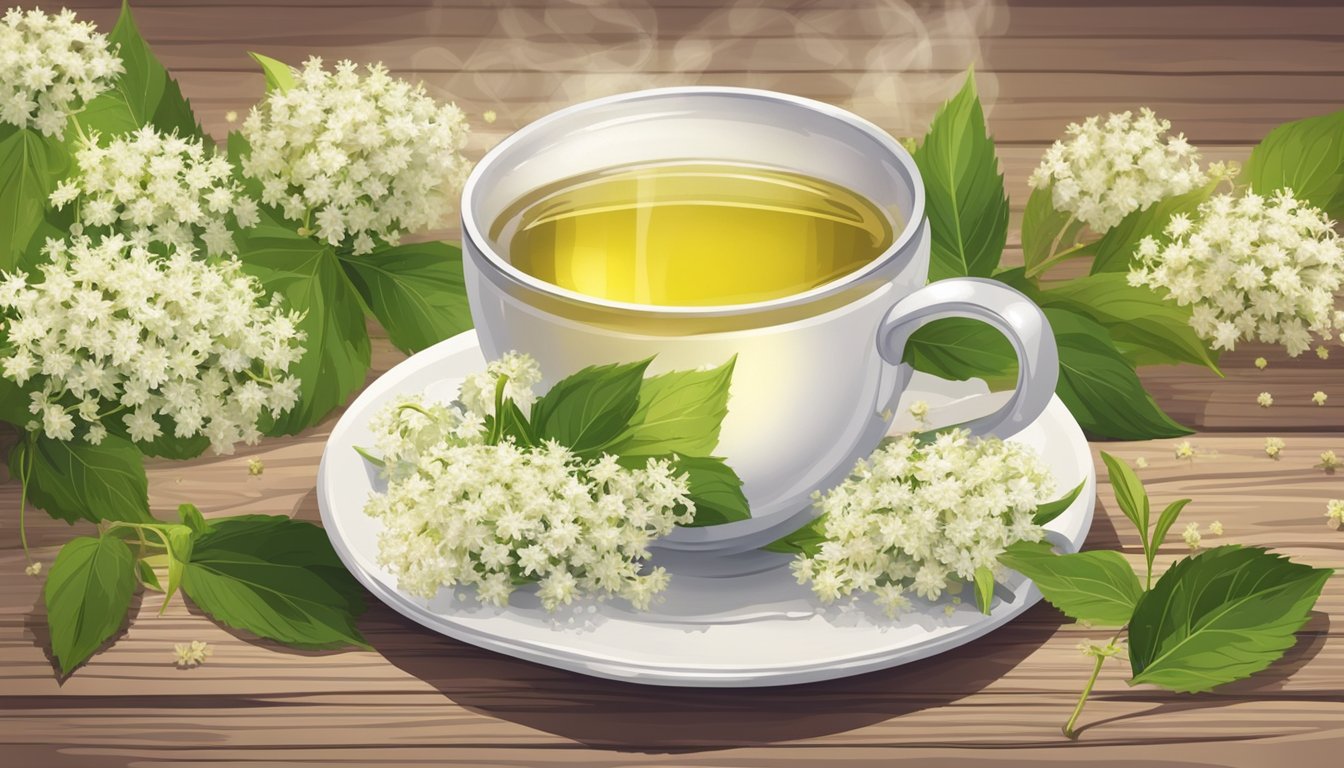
x: 817, y: 372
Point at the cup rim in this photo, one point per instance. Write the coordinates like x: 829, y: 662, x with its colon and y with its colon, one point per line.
x: 913, y: 223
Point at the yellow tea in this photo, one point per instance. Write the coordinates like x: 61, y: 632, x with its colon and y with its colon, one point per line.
x: 692, y: 234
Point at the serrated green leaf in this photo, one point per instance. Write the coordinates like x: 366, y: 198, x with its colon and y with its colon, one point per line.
x: 73, y: 480
x: 984, y: 589
x: 960, y: 348
x: 715, y: 489
x: 143, y: 95
x: 276, y: 578
x: 807, y: 540
x: 1100, y: 387
x: 279, y: 75
x: 1306, y: 156
x: 309, y: 278
x: 1130, y: 495
x: 1116, y: 249
x: 587, y: 411
x: 679, y: 412
x: 964, y: 198
x: 87, y: 594
x: 1043, y: 227
x: 1053, y: 509
x: 1135, y: 315
x: 30, y: 167
x: 1218, y: 616
x: 167, y: 445
x: 1097, y: 586
x: 416, y: 291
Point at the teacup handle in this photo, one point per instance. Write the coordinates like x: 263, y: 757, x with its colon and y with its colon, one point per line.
x: 1013, y: 314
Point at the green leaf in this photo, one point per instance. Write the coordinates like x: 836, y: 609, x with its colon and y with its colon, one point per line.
x: 147, y: 576
x: 30, y: 167
x: 1097, y: 587
x: 279, y: 75
x: 1220, y: 616
x: 308, y: 276
x: 1100, y: 387
x: 1044, y: 227
x: 192, y: 518
x: 14, y: 403
x: 143, y: 95
x: 807, y: 540
x: 715, y: 489
x: 1116, y: 249
x: 416, y: 291
x: 181, y: 539
x: 587, y: 411
x: 984, y: 588
x: 276, y: 578
x: 1164, y: 523
x: 1129, y: 494
x: 964, y: 198
x: 960, y: 348
x: 87, y: 594
x: 167, y: 445
x: 1052, y: 509
x: 1305, y: 155
x: 678, y: 412
x: 510, y: 421
x: 72, y: 480
x: 1135, y: 315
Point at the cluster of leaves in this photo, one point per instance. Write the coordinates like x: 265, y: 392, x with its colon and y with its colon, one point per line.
x: 1104, y: 327
x: 275, y: 577
x: 613, y: 409
x: 1217, y: 616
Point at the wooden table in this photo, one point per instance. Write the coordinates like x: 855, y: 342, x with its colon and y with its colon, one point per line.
x: 1224, y: 73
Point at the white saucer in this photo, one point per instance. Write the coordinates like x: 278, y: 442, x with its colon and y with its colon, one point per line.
x: 751, y: 625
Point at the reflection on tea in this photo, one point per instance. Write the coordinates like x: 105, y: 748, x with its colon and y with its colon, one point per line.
x: 692, y: 234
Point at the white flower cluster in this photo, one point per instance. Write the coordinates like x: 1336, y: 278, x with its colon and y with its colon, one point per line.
x: 50, y: 66
x: 520, y: 372
x: 112, y: 330
x: 1108, y: 170
x: 1252, y: 268
x: 459, y: 511
x: 158, y: 188
x: 356, y: 158
x: 914, y: 518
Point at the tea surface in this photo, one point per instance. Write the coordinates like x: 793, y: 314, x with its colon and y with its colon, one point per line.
x: 692, y: 234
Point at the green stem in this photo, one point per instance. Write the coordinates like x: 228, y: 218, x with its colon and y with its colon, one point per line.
x: 1087, y: 691
x: 25, y: 472
x: 1055, y: 258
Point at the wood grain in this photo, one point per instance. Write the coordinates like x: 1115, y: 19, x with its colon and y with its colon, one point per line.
x: 1222, y: 72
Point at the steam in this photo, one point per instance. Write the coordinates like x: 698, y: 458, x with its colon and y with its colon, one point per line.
x: 886, y: 60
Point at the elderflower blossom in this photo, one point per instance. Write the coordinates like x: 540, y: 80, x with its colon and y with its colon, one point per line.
x: 1216, y: 528
x: 33, y: 568
x: 1252, y: 267
x: 1261, y: 363
x: 50, y: 66
x: 1191, y: 535
x: 520, y: 373
x: 114, y: 337
x: 356, y: 157
x: 1264, y: 399
x: 158, y: 188
x: 1109, y: 169
x: 191, y: 654
x: 459, y: 511
x: 1329, y: 462
x: 914, y: 519
x: 1318, y: 397
x: 1273, y: 447
x: 1334, y: 512
x: 1184, y: 450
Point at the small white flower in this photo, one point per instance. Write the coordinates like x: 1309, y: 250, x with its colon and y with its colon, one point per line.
x: 1251, y: 268
x: 1264, y: 399
x: 1141, y: 463
x: 1111, y: 167
x: 50, y: 67
x: 1191, y: 535
x: 1215, y: 528
x: 1334, y: 510
x: 362, y: 157
x: 33, y: 569
x: 1261, y: 363
x: 112, y: 335
x: 191, y: 654
x: 1318, y: 397
x: 1329, y: 462
x: 1184, y: 450
x: 1273, y: 447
